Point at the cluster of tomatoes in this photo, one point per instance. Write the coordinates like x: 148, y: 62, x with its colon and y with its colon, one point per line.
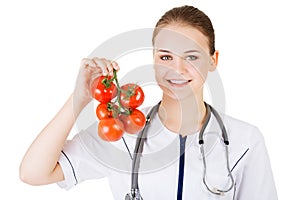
x: 117, y: 111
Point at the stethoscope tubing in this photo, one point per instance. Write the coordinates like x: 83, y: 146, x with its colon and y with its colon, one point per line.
x: 139, y: 147
x: 135, y: 194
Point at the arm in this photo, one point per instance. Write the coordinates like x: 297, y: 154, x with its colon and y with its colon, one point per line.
x: 40, y: 163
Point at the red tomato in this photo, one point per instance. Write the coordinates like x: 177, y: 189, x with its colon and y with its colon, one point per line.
x: 103, y: 111
x: 134, y: 122
x: 110, y: 129
x: 132, y: 95
x: 101, y: 92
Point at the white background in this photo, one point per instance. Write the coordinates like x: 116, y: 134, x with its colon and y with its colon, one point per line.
x: 42, y: 43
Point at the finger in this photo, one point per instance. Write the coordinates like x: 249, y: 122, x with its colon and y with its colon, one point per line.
x: 96, y: 71
x: 86, y: 62
x: 109, y: 67
x: 101, y: 63
x: 115, y: 65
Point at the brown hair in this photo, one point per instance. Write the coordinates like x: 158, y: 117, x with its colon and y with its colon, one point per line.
x: 188, y: 15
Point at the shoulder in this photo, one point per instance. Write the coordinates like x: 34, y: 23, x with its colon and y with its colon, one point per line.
x: 242, y: 131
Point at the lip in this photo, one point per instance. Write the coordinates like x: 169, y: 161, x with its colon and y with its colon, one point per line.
x: 178, y: 82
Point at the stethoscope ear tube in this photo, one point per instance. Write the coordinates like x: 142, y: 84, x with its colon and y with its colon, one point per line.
x: 209, y: 110
x: 206, y: 120
x: 221, y: 124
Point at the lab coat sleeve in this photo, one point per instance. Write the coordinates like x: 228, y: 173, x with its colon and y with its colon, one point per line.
x: 256, y: 182
x: 78, y: 165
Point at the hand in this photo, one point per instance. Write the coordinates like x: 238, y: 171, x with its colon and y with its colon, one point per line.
x: 89, y: 70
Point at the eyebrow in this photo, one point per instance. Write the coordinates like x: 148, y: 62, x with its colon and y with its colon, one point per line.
x: 192, y: 51
x: 164, y: 50
x: 188, y: 51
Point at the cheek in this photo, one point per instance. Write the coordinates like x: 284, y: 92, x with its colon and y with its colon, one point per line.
x: 160, y: 68
x: 159, y: 64
x: 199, y: 73
x: 159, y: 73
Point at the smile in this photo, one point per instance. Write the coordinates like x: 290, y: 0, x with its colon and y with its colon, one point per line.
x: 178, y: 82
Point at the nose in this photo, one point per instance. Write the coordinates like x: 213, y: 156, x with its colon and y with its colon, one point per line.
x: 179, y: 64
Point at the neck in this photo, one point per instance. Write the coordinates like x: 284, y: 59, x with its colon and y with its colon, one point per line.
x: 184, y: 116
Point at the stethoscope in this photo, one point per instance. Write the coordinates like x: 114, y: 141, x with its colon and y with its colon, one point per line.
x: 134, y: 193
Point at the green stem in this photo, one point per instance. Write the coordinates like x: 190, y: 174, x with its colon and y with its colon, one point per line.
x: 116, y: 79
x: 126, y: 110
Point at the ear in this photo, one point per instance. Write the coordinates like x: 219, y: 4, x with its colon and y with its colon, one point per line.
x: 214, y: 61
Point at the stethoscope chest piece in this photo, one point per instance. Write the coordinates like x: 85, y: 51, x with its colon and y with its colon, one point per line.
x: 133, y: 195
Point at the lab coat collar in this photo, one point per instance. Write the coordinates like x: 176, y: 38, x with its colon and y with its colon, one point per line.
x: 212, y: 136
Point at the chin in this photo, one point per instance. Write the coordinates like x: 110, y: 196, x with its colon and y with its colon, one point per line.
x: 178, y: 95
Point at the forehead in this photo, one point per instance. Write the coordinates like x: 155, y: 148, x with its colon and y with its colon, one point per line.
x: 177, y: 38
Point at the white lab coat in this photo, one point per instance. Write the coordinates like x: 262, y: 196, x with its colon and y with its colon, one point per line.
x: 86, y: 156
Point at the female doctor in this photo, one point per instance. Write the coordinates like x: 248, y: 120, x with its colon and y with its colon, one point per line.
x: 189, y: 150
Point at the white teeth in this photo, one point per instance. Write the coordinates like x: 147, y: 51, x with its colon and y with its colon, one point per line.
x: 178, y: 81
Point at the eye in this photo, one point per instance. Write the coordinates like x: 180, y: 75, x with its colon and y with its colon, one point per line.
x: 165, y: 57
x: 191, y: 57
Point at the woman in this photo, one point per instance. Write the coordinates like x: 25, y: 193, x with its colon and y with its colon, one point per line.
x: 171, y: 166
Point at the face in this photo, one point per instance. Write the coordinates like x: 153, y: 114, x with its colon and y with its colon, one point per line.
x: 182, y: 61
